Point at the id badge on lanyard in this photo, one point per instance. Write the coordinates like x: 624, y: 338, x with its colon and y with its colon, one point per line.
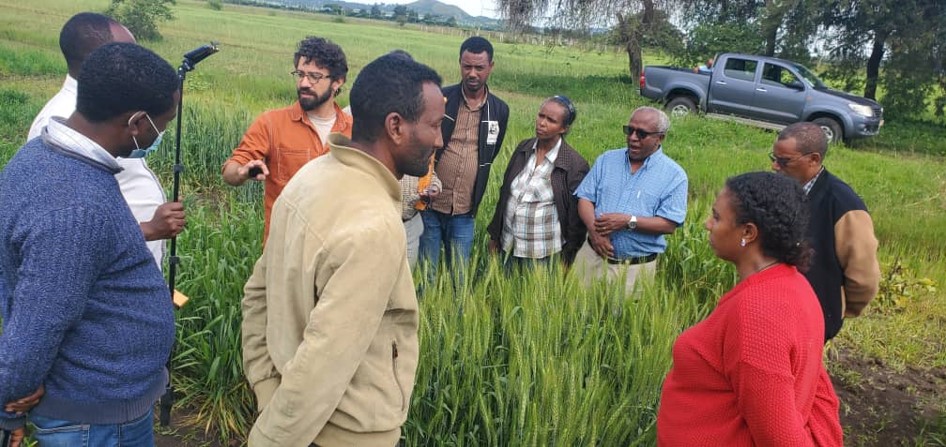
x: 492, y: 132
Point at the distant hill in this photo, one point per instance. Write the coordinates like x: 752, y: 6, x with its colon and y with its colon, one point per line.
x: 422, y: 7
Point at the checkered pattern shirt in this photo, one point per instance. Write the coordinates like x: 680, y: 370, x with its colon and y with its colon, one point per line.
x: 811, y: 183
x: 530, y: 225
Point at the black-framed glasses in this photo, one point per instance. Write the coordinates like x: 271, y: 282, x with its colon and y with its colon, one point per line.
x: 641, y: 133
x: 784, y: 161
x: 312, y: 77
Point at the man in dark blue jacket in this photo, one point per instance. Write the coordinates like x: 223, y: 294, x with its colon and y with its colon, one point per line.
x: 473, y: 132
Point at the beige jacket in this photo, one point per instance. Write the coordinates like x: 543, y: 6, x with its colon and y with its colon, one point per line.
x: 330, y: 315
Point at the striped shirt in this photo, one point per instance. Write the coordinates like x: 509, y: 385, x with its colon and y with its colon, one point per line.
x: 657, y: 189
x: 458, y: 164
x: 531, y: 227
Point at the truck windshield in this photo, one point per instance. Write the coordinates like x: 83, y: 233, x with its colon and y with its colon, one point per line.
x: 810, y: 78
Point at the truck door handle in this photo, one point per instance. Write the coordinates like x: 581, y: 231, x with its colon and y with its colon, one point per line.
x: 760, y: 89
x: 721, y: 82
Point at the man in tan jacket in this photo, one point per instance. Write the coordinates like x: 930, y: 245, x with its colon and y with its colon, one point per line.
x: 329, y: 315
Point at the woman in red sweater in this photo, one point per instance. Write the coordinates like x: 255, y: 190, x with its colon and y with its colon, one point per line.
x: 751, y: 373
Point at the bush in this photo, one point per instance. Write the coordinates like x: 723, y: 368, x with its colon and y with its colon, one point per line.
x: 141, y: 17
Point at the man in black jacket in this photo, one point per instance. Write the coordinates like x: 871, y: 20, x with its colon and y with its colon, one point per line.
x: 844, y: 272
x: 473, y: 132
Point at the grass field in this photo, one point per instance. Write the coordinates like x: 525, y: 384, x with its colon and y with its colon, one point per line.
x: 528, y: 360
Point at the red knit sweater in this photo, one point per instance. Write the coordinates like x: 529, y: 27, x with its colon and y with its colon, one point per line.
x: 751, y: 373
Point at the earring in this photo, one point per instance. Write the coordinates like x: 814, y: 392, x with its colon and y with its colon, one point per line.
x: 742, y: 243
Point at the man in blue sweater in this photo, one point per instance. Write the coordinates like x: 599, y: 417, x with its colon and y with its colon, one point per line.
x: 86, y: 313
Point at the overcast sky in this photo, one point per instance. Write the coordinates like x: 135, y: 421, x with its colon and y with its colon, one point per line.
x: 472, y: 7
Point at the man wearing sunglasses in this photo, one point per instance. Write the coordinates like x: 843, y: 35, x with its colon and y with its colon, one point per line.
x: 280, y: 141
x: 844, y: 271
x: 632, y: 197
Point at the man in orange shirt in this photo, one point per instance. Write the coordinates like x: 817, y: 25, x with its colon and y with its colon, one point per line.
x: 280, y: 141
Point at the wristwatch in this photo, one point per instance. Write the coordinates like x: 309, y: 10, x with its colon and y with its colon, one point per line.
x: 632, y: 224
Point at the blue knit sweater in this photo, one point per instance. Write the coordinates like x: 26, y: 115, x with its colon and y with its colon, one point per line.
x: 85, y: 309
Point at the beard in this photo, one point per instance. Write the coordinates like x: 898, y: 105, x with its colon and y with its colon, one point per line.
x: 310, y: 104
x: 419, y: 165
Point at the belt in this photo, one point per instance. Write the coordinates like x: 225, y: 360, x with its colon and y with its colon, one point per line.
x: 633, y: 260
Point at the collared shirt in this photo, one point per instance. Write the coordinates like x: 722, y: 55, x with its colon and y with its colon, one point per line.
x: 458, y: 164
x: 657, y: 189
x: 139, y: 185
x: 285, y: 140
x: 70, y: 140
x: 811, y: 183
x: 62, y: 104
x: 530, y: 226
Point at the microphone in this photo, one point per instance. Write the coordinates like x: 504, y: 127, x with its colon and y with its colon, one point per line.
x: 199, y: 54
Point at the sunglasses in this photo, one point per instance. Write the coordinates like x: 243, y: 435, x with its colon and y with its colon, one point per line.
x: 784, y: 161
x: 641, y: 133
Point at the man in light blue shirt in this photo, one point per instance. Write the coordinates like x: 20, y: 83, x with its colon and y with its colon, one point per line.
x: 631, y: 198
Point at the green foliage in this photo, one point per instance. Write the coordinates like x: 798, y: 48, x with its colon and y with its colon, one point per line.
x: 706, y: 40
x: 899, y: 288
x: 222, y: 241
x: 511, y: 359
x: 141, y: 17
x: 15, y: 119
x: 215, y: 5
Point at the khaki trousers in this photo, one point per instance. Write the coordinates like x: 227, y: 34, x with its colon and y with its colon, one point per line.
x: 590, y: 267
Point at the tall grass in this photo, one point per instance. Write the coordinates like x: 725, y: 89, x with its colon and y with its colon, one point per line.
x: 507, y: 358
x: 532, y: 358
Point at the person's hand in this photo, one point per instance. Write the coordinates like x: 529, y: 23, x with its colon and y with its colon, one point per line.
x: 24, y: 404
x: 168, y: 221
x: 608, y: 223
x: 16, y: 436
x: 493, y: 246
x: 430, y: 193
x: 601, y: 244
x: 261, y: 171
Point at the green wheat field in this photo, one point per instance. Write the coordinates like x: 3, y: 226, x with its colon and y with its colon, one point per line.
x: 526, y: 359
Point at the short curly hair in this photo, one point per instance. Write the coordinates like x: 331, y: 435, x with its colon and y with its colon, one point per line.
x: 393, y: 83
x: 122, y: 77
x: 778, y: 207
x: 325, y: 54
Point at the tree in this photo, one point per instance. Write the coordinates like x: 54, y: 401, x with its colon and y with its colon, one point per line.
x: 141, y: 17
x: 400, y: 14
x: 785, y: 26
x: 375, y: 11
x: 634, y: 20
x: 908, y: 34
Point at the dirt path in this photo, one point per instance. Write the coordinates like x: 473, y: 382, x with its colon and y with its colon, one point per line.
x: 881, y: 407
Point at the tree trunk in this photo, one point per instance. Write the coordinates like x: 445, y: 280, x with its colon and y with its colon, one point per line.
x: 634, y: 29
x: 873, y: 65
x: 635, y: 61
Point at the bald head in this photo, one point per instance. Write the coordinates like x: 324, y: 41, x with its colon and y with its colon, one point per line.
x: 85, y: 32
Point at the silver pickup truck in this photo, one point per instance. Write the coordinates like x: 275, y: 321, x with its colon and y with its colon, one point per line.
x: 762, y: 91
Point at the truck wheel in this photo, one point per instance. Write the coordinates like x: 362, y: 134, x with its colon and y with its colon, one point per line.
x: 680, y: 106
x: 831, y: 129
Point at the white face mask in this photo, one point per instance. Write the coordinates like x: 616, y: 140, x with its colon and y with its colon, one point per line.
x: 141, y: 153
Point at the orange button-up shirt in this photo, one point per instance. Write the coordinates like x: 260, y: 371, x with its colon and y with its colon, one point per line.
x: 285, y: 140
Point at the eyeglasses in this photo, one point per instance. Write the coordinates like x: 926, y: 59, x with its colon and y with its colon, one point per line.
x: 641, y: 133
x: 784, y: 161
x: 312, y: 77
